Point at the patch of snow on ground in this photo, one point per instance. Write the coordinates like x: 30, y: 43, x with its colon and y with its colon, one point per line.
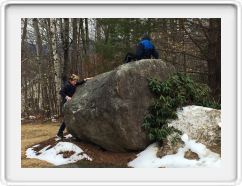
x: 148, y: 158
x: 32, y: 117
x: 54, y: 120
x: 52, y: 155
x: 68, y: 136
x: 57, y: 139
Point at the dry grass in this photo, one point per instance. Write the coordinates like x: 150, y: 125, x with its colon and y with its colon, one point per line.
x: 32, y: 134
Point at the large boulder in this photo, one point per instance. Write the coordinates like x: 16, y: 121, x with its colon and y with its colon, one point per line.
x: 109, y: 109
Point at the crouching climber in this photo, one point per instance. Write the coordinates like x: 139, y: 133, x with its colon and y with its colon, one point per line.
x: 144, y: 50
x: 66, y: 92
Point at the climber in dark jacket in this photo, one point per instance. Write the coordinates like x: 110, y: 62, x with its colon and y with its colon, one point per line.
x: 66, y: 93
x: 144, y: 50
x: 69, y: 87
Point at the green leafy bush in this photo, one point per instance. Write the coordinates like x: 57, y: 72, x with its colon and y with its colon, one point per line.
x: 178, y: 91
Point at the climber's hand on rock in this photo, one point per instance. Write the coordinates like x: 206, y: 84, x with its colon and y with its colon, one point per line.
x: 88, y: 78
x: 68, y: 98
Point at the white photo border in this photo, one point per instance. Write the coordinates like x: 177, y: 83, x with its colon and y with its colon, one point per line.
x: 3, y: 75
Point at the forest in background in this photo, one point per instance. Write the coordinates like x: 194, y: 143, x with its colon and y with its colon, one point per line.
x: 51, y: 49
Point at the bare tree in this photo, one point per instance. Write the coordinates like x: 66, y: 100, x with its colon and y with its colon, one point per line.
x: 214, y: 55
x: 56, y: 59
x: 74, y: 54
x: 98, y: 30
x: 42, y: 88
x: 79, y: 49
x: 65, y: 43
x: 23, y: 59
x: 87, y: 33
x: 83, y: 36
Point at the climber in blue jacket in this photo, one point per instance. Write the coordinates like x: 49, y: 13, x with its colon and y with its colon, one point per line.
x: 144, y: 50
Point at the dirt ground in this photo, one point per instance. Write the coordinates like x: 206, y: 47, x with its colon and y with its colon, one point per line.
x: 44, y: 134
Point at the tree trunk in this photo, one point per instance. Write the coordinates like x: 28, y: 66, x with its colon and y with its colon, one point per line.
x: 44, y: 105
x: 56, y: 61
x: 98, y: 30
x: 87, y: 34
x: 51, y: 86
x: 79, y: 64
x: 74, y: 46
x: 83, y: 37
x: 65, y: 43
x: 23, y: 56
x: 23, y: 39
x: 214, y: 56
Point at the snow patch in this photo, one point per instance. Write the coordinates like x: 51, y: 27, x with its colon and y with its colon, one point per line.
x: 54, y: 120
x: 54, y: 155
x: 32, y: 117
x: 57, y: 139
x: 68, y: 136
x: 148, y: 158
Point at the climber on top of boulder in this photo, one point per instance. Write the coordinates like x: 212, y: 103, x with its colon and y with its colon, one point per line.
x: 144, y: 50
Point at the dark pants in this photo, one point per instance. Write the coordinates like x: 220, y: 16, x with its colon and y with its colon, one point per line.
x: 62, y: 128
x: 146, y: 54
x: 129, y: 57
x: 63, y: 125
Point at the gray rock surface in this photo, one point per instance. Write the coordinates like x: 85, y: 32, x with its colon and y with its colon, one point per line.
x: 202, y: 124
x: 109, y: 109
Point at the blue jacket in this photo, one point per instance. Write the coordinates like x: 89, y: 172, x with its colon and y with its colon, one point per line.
x: 146, y: 50
x: 146, y: 43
